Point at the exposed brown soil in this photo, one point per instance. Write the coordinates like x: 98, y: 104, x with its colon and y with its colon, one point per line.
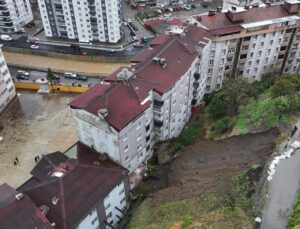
x: 207, y: 164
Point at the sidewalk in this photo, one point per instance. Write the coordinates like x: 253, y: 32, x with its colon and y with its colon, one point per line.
x: 283, y: 187
x: 60, y: 65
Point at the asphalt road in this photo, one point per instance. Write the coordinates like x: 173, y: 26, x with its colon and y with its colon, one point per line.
x: 21, y: 43
x: 34, y: 75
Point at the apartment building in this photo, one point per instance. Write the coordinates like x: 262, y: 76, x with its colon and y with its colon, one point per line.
x: 18, y: 211
x: 7, y: 88
x: 250, y: 41
x: 85, y: 20
x: 14, y: 14
x: 147, y: 102
x: 88, y: 192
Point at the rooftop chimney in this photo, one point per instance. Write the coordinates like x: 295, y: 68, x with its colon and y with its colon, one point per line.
x: 103, y: 113
x: 235, y: 14
x: 291, y: 6
x: 211, y: 13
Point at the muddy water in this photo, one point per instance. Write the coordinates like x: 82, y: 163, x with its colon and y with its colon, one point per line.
x: 34, y: 124
x: 283, y: 190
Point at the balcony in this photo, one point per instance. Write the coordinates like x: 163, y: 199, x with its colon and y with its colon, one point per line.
x: 158, y: 124
x: 157, y: 103
x: 197, y: 75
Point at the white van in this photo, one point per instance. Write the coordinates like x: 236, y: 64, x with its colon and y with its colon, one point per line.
x: 6, y: 38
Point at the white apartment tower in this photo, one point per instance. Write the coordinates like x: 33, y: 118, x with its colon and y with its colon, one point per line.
x: 14, y: 14
x: 250, y: 41
x: 149, y: 101
x: 84, y: 20
x: 7, y: 88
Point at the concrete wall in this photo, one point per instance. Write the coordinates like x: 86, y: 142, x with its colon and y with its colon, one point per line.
x: 65, y: 88
x: 102, y: 59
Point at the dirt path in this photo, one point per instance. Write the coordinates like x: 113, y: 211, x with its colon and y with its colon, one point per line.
x: 58, y: 64
x: 207, y: 164
x: 34, y: 124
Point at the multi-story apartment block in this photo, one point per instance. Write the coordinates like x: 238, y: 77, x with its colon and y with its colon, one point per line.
x: 250, y: 41
x: 147, y: 102
x: 85, y: 20
x: 90, y: 191
x: 7, y: 88
x: 14, y: 14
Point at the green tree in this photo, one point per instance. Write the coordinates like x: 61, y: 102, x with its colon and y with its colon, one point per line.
x: 282, y: 87
x: 217, y: 108
x: 237, y: 92
x: 50, y: 75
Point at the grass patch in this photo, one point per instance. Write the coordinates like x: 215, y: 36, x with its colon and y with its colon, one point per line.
x: 295, y: 219
x: 193, y: 131
x: 222, y: 209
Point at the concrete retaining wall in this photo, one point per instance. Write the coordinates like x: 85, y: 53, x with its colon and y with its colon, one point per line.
x: 66, y: 88
x: 102, y: 59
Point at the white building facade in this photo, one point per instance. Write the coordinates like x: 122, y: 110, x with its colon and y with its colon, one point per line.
x: 166, y: 104
x: 86, y: 21
x: 242, y: 46
x: 14, y: 14
x: 7, y: 88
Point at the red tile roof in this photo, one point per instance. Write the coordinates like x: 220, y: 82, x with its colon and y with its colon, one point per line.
x: 21, y: 214
x: 159, y: 40
x: 88, y: 180
x: 121, y: 99
x: 220, y: 20
x: 178, y: 57
x: 142, y: 55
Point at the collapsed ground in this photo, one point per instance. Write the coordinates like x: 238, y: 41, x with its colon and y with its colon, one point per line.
x: 194, y: 186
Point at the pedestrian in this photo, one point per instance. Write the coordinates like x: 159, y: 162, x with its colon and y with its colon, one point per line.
x: 35, y: 159
x: 16, y: 161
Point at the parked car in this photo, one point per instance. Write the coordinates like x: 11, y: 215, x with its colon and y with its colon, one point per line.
x: 193, y: 6
x: 110, y: 50
x: 70, y: 75
x: 129, y: 20
x: 56, y: 77
x: 82, y: 53
x: 34, y: 46
x: 134, y: 28
x: 144, y: 39
x: 75, y: 46
x: 6, y: 37
x: 138, y: 45
x: 83, y: 78
x: 34, y: 38
x: 23, y: 73
x: 187, y: 7
x: 22, y: 77
x: 134, y: 38
x: 132, y: 33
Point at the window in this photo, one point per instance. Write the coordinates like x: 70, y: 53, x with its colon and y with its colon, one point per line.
x: 122, y: 191
x: 109, y: 215
x: 139, y: 136
x: 127, y: 158
x: 211, y: 62
x: 139, y: 125
x: 126, y: 148
x: 125, y: 137
x: 107, y: 206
